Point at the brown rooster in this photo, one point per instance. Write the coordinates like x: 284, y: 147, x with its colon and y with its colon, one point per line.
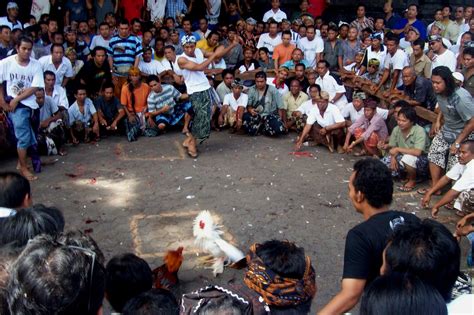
x: 166, y: 275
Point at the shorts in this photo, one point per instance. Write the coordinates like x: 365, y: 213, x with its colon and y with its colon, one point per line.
x: 24, y: 134
x: 439, y: 153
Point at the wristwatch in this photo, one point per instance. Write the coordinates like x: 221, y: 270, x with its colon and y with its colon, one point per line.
x: 457, y: 145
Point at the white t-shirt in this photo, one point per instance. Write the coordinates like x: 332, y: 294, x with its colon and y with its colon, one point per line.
x: 306, y: 107
x: 464, y: 177
x: 59, y: 97
x: 311, y: 48
x: 396, y: 62
x: 156, y: 8
x: 214, y: 12
x: 235, y: 103
x: 282, y: 90
x: 63, y: 71
x: 447, y: 59
x: 98, y: 40
x: 196, y: 81
x: 6, y: 212
x: 329, y: 84
x: 277, y: 16
x: 332, y: 115
x: 48, y: 109
x: 19, y: 78
x: 266, y: 41
x: 4, y: 21
x: 153, y: 67
x: 350, y: 112
x: 39, y: 7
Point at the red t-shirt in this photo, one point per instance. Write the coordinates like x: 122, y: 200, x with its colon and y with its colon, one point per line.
x: 132, y: 9
x: 316, y: 7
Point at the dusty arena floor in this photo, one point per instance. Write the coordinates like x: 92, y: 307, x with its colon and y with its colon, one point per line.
x: 142, y: 197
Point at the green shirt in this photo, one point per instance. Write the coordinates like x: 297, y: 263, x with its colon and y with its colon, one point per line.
x: 416, y: 139
x: 273, y: 100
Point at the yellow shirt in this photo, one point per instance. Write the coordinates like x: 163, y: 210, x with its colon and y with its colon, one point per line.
x: 204, y: 46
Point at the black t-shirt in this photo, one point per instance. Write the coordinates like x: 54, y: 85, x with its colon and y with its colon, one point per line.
x: 365, y: 244
x: 94, y: 77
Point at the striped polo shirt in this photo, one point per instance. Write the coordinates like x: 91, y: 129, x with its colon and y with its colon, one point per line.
x: 124, y: 50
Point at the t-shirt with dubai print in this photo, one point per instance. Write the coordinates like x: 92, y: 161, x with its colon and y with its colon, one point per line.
x: 18, y: 78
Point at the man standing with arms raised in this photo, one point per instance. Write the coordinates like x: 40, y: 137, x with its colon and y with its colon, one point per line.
x: 23, y: 76
x: 193, y: 64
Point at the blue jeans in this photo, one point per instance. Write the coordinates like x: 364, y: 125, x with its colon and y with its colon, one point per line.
x: 22, y: 126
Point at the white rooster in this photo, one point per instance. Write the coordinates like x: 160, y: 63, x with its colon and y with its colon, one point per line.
x: 208, y: 239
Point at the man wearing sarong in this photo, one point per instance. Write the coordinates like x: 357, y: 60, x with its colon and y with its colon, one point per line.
x: 193, y: 64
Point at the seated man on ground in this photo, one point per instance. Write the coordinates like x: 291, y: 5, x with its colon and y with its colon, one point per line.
x: 279, y: 81
x: 83, y: 118
x: 371, y: 193
x: 292, y: 100
x: 324, y: 124
x: 59, y: 279
x: 296, y: 58
x: 127, y: 275
x: 52, y: 132
x: 133, y: 97
x: 109, y: 110
x: 233, y: 107
x: 15, y: 193
x: 373, y: 75
x: 282, y: 275
x: 462, y: 172
x: 355, y: 109
x: 368, y: 130
x: 264, y: 110
x: 407, y: 149
x: 166, y: 106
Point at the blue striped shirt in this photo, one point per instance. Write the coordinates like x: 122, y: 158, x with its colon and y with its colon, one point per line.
x: 168, y: 96
x: 124, y: 50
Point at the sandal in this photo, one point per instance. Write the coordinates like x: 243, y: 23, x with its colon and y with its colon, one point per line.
x: 449, y: 206
x: 406, y: 188
x: 460, y: 214
x: 423, y: 191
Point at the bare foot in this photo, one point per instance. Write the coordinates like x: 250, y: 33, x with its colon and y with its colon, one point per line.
x: 28, y: 175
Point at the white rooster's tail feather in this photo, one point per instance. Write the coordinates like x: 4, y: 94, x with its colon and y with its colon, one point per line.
x: 230, y: 250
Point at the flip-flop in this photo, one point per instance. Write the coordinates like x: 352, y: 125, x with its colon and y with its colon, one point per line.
x: 423, y: 191
x: 406, y: 189
x: 460, y: 214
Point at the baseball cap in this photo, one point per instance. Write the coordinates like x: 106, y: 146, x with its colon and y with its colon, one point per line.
x: 439, y: 25
x: 414, y: 29
x: 251, y: 21
x: 12, y: 5
x: 435, y: 38
x: 376, y: 35
x: 458, y: 76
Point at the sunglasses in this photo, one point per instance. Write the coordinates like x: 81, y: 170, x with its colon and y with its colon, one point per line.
x: 91, y: 254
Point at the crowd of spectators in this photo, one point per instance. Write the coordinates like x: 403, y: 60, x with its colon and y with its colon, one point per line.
x: 385, y: 86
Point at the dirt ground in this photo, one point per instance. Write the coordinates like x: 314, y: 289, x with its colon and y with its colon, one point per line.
x: 142, y: 197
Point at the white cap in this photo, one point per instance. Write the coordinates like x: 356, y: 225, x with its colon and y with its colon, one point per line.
x: 12, y: 5
x: 458, y: 76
